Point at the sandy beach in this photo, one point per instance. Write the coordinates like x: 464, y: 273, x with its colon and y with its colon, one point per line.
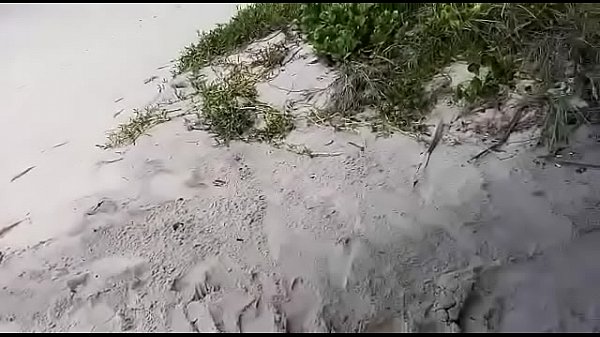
x: 178, y: 233
x: 68, y: 71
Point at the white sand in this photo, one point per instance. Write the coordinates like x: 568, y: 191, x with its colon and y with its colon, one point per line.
x: 63, y: 68
x: 288, y: 242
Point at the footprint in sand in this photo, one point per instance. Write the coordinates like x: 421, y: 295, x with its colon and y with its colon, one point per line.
x: 76, y: 281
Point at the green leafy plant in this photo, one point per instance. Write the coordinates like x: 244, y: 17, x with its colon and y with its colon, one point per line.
x: 386, y: 53
x: 229, y: 105
x: 230, y: 108
x: 341, y: 31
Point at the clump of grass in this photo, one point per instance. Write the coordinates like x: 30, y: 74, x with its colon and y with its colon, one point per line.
x: 230, y: 108
x: 141, y: 121
x: 252, y: 22
x: 228, y: 105
x: 358, y: 85
x: 277, y: 125
x: 557, y: 125
x: 562, y: 118
x: 271, y: 57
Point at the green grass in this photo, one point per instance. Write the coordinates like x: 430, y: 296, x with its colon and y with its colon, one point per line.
x: 229, y: 105
x: 277, y: 125
x: 251, y: 22
x: 230, y: 108
x: 141, y: 121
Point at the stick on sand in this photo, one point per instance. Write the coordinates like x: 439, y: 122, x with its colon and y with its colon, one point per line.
x: 434, y: 142
x: 22, y: 173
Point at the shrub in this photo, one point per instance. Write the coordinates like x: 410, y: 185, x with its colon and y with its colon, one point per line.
x: 385, y: 53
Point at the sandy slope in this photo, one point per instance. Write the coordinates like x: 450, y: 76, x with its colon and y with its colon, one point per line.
x: 192, y: 237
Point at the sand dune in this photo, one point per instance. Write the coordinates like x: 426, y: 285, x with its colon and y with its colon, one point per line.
x: 175, y: 233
